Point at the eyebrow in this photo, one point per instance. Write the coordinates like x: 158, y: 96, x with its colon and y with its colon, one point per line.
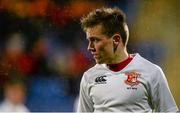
x: 92, y: 37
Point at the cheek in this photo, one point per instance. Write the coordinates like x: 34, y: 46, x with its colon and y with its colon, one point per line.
x: 105, y: 48
x: 101, y: 48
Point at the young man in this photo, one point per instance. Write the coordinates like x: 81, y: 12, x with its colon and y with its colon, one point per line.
x: 119, y: 82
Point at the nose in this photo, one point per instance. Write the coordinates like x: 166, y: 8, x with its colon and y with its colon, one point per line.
x: 91, y: 47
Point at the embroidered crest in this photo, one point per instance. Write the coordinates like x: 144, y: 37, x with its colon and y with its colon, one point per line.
x: 132, y: 78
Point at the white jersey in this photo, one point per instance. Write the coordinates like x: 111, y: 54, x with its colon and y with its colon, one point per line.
x: 139, y: 87
x: 7, y: 106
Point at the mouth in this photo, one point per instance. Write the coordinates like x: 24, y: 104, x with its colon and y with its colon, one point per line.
x: 95, y: 55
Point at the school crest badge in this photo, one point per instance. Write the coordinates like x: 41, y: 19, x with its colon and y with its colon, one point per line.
x: 132, y: 78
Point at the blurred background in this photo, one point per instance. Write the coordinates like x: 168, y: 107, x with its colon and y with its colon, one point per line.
x: 43, y: 47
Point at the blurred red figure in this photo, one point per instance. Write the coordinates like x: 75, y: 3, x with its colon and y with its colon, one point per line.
x: 15, y: 56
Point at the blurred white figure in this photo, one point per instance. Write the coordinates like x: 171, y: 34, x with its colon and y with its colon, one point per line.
x: 14, y: 97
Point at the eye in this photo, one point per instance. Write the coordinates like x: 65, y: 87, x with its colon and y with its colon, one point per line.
x: 94, y: 39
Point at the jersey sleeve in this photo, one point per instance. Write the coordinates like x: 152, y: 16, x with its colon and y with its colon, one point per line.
x: 85, y: 103
x: 162, y: 98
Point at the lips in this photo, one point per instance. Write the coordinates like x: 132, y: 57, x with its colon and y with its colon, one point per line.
x: 95, y: 55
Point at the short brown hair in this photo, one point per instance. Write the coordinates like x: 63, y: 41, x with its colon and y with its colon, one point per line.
x: 112, y: 19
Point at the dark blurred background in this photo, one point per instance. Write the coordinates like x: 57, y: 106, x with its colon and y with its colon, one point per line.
x: 43, y: 45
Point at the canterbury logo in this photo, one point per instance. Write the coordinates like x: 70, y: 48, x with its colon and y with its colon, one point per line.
x: 100, y: 79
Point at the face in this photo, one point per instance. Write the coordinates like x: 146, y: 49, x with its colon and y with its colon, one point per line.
x: 100, y: 45
x: 15, y: 94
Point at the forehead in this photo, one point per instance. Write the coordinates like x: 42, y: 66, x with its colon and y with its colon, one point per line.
x: 94, y: 31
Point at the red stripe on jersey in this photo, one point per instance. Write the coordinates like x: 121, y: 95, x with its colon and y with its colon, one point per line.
x: 121, y: 65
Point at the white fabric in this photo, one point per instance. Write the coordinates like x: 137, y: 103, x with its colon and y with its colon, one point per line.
x: 147, y: 92
x: 7, y: 106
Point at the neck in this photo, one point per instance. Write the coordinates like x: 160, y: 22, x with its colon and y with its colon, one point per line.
x: 119, y: 66
x: 120, y: 56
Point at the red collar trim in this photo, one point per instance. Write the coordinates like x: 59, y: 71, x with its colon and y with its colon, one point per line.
x: 121, y: 65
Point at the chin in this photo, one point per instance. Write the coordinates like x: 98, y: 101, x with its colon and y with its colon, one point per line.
x: 99, y: 62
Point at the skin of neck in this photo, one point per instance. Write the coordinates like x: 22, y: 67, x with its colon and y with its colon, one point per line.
x: 120, y: 55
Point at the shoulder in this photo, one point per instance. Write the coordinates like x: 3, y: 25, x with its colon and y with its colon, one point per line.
x: 153, y: 71
x: 141, y: 62
x: 93, y: 72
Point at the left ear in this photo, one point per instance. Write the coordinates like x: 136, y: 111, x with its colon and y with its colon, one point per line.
x: 116, y: 40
